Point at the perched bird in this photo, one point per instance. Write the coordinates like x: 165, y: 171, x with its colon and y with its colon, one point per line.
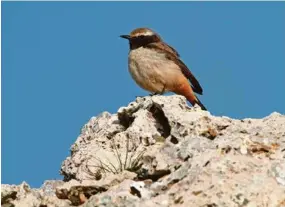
x: 156, y: 66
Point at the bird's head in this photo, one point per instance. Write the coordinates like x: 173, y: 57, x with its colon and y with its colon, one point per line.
x: 141, y: 36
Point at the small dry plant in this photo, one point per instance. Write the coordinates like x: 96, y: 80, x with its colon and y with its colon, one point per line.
x: 130, y: 161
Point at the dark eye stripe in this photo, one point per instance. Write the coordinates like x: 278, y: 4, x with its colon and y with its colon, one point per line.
x: 143, y: 40
x: 139, y: 37
x: 149, y: 38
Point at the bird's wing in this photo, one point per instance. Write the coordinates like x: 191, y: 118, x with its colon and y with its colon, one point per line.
x: 173, y: 55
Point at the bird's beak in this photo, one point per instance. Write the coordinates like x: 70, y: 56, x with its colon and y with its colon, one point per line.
x: 125, y: 36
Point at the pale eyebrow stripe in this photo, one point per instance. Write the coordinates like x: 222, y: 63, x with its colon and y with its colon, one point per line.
x: 148, y: 33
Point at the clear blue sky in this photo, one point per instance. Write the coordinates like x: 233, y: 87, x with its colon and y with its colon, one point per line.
x: 63, y: 62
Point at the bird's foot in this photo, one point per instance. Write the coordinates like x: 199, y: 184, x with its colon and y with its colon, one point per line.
x: 157, y: 93
x: 154, y: 94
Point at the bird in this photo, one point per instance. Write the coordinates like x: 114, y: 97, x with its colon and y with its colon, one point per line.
x: 156, y: 66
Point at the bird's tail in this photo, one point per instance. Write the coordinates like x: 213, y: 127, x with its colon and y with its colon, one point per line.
x: 186, y: 90
x: 200, y: 104
x: 194, y: 100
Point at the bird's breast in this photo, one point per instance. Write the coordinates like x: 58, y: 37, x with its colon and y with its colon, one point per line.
x: 151, y: 69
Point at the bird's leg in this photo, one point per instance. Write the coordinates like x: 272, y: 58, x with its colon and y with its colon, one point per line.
x: 153, y: 94
x: 158, y: 93
x: 162, y: 91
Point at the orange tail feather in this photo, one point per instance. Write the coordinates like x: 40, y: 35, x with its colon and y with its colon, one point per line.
x: 186, y: 90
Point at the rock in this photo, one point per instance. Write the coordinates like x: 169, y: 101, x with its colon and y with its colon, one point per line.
x: 79, y: 192
x: 139, y: 189
x: 49, y: 187
x: 8, y: 194
x: 24, y: 196
x: 119, y: 195
x: 158, y: 151
x: 278, y: 172
x: 111, y: 201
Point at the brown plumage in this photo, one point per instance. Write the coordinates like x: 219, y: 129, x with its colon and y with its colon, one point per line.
x: 173, y: 55
x: 157, y: 67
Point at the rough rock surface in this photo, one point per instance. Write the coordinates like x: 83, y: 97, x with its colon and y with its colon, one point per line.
x: 158, y: 151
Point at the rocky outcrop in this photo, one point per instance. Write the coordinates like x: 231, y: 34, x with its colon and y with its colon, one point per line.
x: 23, y: 196
x: 158, y: 151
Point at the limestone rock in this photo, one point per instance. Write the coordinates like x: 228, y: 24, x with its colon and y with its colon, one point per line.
x: 79, y: 192
x: 24, y: 196
x: 158, y: 151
